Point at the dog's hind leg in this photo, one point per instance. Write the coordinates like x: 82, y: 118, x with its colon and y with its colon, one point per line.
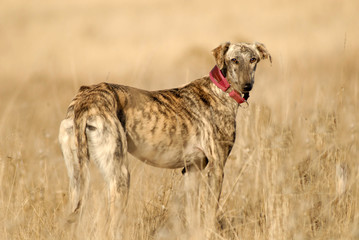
x: 78, y: 172
x: 108, y: 149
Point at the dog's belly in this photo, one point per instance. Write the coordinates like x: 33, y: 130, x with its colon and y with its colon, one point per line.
x: 161, y: 136
x: 165, y: 156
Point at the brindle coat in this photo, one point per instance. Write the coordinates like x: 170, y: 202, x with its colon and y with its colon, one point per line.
x: 191, y: 127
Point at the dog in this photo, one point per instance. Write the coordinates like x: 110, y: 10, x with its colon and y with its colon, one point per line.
x: 192, y: 127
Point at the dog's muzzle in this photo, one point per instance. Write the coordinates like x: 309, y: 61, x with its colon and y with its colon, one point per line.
x: 247, y: 87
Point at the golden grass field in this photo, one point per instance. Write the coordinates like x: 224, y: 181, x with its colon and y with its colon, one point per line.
x: 294, y: 171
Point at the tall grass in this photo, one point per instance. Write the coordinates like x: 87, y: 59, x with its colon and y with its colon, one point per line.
x: 293, y: 172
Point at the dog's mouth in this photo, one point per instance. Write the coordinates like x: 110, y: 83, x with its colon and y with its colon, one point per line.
x: 246, y: 88
x: 245, y: 95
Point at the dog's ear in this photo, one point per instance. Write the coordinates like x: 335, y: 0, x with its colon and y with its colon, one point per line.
x: 262, y: 51
x: 219, y: 53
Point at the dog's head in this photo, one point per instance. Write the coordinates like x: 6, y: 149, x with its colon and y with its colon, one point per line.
x: 238, y: 62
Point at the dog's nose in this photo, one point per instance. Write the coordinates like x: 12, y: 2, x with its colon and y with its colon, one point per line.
x: 247, y: 87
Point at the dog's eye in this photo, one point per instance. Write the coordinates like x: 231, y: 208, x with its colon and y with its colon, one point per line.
x: 234, y: 60
x: 252, y: 60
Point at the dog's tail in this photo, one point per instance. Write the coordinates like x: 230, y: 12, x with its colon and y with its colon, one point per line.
x: 77, y: 169
x: 80, y: 120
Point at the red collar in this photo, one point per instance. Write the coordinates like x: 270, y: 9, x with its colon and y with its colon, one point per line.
x: 220, y: 81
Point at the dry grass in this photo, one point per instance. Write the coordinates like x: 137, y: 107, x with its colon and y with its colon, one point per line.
x: 294, y: 171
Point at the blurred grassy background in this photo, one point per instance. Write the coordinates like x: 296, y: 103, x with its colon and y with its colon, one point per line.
x: 294, y: 171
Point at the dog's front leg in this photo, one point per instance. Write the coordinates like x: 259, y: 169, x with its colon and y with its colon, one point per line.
x: 214, y: 180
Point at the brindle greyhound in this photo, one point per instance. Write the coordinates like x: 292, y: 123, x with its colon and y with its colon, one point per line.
x: 192, y: 127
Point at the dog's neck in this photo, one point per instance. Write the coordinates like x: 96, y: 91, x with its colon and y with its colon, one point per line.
x: 222, y: 83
